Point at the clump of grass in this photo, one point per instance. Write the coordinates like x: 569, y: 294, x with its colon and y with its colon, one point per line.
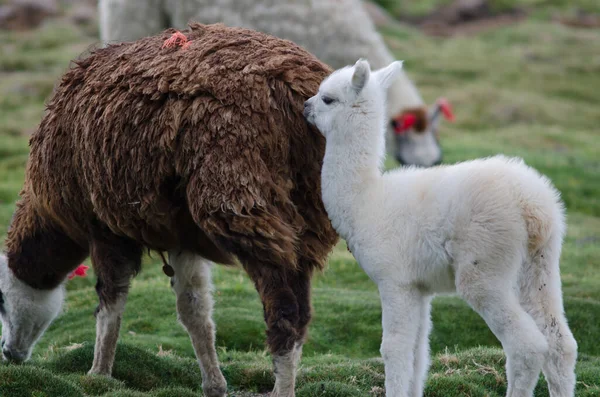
x: 328, y: 389
x: 472, y: 372
x: 136, y: 368
x: 25, y: 381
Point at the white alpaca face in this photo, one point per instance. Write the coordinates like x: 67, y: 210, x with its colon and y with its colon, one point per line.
x: 349, y: 94
x: 25, y: 313
x: 331, y: 105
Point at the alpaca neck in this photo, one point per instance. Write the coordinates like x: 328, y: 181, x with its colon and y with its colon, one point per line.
x: 351, y: 171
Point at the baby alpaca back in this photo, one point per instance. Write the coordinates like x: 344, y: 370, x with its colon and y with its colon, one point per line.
x: 510, y: 180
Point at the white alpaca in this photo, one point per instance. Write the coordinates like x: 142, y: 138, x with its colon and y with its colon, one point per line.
x: 489, y: 229
x: 336, y: 31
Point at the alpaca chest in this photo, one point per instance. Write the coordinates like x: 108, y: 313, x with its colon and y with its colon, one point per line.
x: 411, y: 262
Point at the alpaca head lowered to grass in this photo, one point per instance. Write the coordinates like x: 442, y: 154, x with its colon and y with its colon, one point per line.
x: 415, y: 132
x: 26, y: 312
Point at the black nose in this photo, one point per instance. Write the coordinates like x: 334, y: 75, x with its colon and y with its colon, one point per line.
x: 7, y: 354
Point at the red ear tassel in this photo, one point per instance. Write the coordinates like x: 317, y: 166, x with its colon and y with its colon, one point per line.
x: 408, y: 121
x: 81, y: 271
x: 404, y: 122
x: 446, y: 109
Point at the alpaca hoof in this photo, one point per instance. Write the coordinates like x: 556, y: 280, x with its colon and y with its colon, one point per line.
x: 277, y: 393
x: 216, y: 388
x: 99, y: 371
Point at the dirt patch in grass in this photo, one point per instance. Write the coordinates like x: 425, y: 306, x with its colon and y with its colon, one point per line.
x: 466, y: 17
x: 580, y: 20
x: 437, y: 28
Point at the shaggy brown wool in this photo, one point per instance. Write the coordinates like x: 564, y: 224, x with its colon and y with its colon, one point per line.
x: 202, y: 148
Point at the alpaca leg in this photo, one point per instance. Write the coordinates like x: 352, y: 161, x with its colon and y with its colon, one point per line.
x: 559, y: 367
x: 108, y: 323
x: 282, y: 315
x: 402, y: 310
x: 525, y: 346
x: 193, y: 286
x: 542, y: 299
x: 116, y: 260
x: 285, y: 339
x: 421, y: 365
x: 300, y: 284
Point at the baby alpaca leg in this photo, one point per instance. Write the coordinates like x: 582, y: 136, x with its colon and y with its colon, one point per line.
x: 559, y: 367
x: 525, y: 346
x: 193, y: 287
x: 541, y: 295
x: 422, y: 350
x: 402, y: 313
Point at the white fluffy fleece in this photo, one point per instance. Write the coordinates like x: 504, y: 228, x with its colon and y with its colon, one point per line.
x: 489, y: 229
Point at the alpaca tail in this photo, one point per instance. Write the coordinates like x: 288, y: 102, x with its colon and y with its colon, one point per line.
x: 257, y: 237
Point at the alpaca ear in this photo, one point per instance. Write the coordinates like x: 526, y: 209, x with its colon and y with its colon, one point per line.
x: 361, y: 74
x: 387, y: 75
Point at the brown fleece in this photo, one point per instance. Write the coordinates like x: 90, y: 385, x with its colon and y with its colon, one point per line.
x: 143, y: 138
x: 201, y: 148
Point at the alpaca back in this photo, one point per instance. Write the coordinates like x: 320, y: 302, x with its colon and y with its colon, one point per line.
x: 517, y: 192
x: 336, y: 31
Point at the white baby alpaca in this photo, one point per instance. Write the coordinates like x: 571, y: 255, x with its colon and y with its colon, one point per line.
x: 489, y: 229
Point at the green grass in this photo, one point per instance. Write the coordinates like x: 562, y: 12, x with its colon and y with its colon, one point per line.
x: 530, y: 90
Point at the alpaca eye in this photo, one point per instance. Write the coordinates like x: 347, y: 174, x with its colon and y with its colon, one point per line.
x: 327, y: 100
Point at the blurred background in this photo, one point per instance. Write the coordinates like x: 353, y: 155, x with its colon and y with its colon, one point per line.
x: 523, y: 78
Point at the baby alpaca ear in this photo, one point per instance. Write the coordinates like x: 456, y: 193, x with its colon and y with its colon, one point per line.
x: 387, y: 75
x: 361, y: 74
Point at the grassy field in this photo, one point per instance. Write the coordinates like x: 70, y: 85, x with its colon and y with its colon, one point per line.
x: 530, y: 90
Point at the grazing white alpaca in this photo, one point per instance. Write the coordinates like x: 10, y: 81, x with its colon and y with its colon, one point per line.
x: 489, y: 229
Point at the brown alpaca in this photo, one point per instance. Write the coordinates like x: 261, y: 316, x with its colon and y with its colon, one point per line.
x: 199, y: 149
